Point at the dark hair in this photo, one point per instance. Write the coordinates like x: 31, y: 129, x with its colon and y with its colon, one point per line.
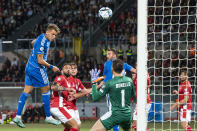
x: 53, y: 27
x: 183, y: 71
x: 113, y: 50
x: 117, y: 65
x: 65, y: 64
x: 73, y: 64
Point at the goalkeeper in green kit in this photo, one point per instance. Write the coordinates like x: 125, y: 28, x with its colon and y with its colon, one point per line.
x: 120, y: 90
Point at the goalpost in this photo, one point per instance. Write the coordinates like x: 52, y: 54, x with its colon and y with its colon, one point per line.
x: 167, y: 42
x: 142, y: 64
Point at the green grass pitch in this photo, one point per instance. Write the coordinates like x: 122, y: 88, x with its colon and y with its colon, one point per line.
x: 86, y: 125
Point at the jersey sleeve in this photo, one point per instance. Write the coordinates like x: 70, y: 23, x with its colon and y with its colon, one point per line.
x: 58, y: 80
x: 98, y: 94
x: 127, y: 67
x: 39, y: 45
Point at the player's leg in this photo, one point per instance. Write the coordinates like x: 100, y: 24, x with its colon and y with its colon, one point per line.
x: 98, y: 126
x: 24, y: 95
x: 65, y: 116
x: 46, y: 100
x: 185, y: 117
x: 134, y: 124
x: 116, y: 127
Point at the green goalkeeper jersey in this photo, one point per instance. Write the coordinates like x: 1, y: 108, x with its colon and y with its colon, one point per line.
x: 120, y: 90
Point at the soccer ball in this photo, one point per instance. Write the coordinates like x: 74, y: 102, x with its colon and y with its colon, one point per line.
x: 105, y: 13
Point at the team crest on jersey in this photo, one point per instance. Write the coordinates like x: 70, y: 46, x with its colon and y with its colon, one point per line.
x: 41, y: 48
x: 59, y: 78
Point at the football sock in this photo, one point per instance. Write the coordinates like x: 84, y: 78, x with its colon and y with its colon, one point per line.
x: 46, y: 101
x: 21, y: 102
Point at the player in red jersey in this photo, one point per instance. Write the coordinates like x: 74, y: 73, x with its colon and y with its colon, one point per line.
x: 149, y: 102
x: 184, y: 101
x: 81, y: 91
x: 59, y: 100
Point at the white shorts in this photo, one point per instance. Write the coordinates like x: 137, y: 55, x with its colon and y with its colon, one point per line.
x: 75, y: 115
x: 148, y: 106
x: 185, y: 115
x: 64, y: 114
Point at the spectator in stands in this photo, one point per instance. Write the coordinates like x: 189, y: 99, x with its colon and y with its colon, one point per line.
x: 14, y: 62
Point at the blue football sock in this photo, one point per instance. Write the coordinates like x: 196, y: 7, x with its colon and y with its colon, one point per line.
x: 21, y: 102
x: 116, y: 128
x: 46, y: 101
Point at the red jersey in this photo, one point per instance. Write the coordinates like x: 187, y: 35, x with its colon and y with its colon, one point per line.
x: 59, y: 98
x: 185, y: 89
x: 148, y: 88
x: 78, y: 86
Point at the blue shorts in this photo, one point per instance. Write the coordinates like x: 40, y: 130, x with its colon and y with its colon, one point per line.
x: 36, y: 77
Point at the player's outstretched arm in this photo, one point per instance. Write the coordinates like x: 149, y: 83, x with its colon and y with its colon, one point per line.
x: 41, y: 61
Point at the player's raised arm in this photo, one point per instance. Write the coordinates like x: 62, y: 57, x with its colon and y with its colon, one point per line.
x: 129, y: 68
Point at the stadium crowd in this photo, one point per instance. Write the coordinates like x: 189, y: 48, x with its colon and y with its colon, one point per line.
x: 14, y: 13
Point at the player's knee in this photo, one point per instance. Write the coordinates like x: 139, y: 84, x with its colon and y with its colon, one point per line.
x: 74, y: 124
x: 28, y: 89
x: 45, y: 89
x: 184, y: 124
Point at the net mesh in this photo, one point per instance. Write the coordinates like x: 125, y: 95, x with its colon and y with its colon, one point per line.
x: 171, y: 47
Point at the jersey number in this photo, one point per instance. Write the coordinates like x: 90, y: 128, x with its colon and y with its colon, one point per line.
x: 123, y: 98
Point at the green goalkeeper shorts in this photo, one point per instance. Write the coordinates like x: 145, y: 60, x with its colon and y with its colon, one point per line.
x: 110, y: 119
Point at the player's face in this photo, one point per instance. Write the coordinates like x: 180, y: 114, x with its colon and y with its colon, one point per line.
x: 133, y: 75
x: 66, y: 69
x: 73, y: 70
x: 183, y: 77
x: 51, y: 34
x: 110, y: 55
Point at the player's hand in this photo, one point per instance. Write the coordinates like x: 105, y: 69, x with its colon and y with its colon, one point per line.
x: 175, y: 92
x: 71, y: 97
x: 71, y: 91
x: 55, y: 69
x: 94, y: 74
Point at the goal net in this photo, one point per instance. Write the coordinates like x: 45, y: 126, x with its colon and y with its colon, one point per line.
x: 171, y: 43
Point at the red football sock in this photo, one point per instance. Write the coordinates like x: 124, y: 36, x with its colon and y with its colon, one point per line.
x: 73, y: 129
x: 188, y: 128
x: 135, y: 128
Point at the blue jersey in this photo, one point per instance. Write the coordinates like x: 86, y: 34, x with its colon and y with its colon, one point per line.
x: 107, y: 72
x: 41, y: 46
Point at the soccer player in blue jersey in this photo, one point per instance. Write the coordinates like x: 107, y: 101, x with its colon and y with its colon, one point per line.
x: 36, y: 74
x: 107, y: 72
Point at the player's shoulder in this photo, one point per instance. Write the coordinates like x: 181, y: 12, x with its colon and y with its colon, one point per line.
x: 59, y: 78
x: 78, y: 80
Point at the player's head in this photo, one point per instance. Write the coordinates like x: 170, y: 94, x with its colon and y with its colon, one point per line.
x: 183, y: 75
x: 52, y: 31
x: 73, y: 70
x: 111, y: 54
x: 117, y: 66
x: 66, y: 69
